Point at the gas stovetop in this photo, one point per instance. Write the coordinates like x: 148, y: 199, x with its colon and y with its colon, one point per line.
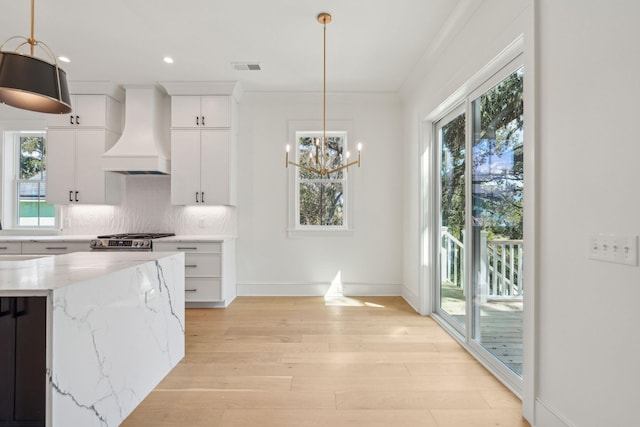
x: 127, y: 241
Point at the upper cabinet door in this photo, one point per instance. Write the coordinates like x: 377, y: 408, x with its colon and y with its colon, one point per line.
x: 215, y: 111
x: 202, y: 112
x: 90, y: 178
x: 185, y: 111
x: 88, y: 111
x: 214, y: 159
x: 61, y: 165
x: 185, y: 167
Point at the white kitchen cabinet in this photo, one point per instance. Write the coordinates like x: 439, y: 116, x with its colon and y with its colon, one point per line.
x: 89, y: 111
x: 200, y: 112
x: 54, y: 247
x: 10, y: 248
x: 201, y: 168
x: 74, y: 167
x: 209, y: 270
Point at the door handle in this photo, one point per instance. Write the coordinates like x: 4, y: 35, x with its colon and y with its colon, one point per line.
x: 77, y: 197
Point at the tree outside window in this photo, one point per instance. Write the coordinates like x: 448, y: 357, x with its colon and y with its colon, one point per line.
x: 321, y: 199
x: 32, y: 210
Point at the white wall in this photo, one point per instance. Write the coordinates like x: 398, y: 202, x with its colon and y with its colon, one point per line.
x: 589, y: 150
x: 270, y: 262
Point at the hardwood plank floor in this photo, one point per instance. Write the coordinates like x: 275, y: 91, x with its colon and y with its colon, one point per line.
x: 308, y: 361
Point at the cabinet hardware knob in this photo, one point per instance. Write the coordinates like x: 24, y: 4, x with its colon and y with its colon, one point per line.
x: 202, y: 197
x: 71, y: 196
x: 197, y: 120
x: 71, y: 119
x: 77, y: 197
x: 202, y: 120
x: 77, y: 120
x: 197, y: 201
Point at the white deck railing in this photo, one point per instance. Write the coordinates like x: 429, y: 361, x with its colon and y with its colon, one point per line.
x: 499, y: 270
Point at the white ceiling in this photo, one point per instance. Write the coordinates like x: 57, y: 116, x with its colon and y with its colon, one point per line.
x: 371, y: 44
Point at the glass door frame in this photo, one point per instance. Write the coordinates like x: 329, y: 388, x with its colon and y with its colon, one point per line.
x: 510, y: 60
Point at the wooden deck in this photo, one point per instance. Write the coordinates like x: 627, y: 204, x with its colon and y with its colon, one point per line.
x: 500, y: 326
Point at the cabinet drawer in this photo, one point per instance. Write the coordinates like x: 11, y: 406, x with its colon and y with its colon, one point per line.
x: 202, y: 289
x: 54, y: 247
x: 215, y: 247
x: 202, y: 265
x: 11, y: 248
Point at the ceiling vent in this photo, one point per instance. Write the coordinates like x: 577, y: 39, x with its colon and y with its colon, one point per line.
x: 246, y: 66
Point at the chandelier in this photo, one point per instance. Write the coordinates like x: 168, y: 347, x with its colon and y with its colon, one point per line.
x: 32, y: 83
x: 319, y: 162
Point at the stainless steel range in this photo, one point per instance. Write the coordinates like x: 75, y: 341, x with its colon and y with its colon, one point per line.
x: 126, y: 241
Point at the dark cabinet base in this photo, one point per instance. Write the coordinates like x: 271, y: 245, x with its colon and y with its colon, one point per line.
x: 23, y: 361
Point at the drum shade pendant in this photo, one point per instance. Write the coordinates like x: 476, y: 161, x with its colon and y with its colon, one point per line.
x: 31, y: 83
x: 319, y: 163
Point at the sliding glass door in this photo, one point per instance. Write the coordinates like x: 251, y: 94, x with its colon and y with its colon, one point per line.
x: 480, y: 223
x: 451, y: 132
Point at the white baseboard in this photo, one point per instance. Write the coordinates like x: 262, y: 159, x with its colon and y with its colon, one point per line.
x: 545, y: 416
x: 317, y: 289
x: 411, y: 298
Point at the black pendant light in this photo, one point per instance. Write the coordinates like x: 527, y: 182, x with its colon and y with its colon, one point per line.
x: 31, y: 83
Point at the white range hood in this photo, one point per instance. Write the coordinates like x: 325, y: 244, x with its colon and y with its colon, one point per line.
x: 143, y: 147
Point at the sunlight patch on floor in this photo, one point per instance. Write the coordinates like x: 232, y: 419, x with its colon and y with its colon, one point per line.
x: 335, y: 297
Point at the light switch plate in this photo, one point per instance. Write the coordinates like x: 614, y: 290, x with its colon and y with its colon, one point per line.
x: 619, y: 249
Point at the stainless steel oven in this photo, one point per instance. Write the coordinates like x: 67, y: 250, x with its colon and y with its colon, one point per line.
x: 141, y: 242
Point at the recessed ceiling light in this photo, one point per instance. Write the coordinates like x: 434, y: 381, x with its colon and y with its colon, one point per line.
x: 168, y: 59
x: 64, y: 59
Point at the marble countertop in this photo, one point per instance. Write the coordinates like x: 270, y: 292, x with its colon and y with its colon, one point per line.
x: 49, y: 272
x: 196, y: 238
x: 46, y: 238
x: 79, y: 237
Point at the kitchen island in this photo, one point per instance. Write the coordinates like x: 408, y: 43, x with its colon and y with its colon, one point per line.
x: 114, y: 328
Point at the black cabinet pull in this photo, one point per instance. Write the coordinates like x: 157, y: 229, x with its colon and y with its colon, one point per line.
x: 71, y: 196
x: 197, y: 120
x: 71, y: 119
x: 202, y: 197
x: 77, y: 120
x: 197, y: 201
x: 24, y: 309
x: 191, y: 290
x: 5, y: 306
x: 191, y: 266
x: 77, y: 197
x: 202, y: 120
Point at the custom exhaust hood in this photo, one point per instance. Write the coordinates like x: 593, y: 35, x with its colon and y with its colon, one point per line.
x: 143, y: 147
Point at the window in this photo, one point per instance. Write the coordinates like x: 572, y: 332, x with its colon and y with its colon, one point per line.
x: 320, y: 199
x: 319, y: 203
x: 24, y: 175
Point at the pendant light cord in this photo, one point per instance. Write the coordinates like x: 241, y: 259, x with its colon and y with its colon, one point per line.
x: 32, y: 39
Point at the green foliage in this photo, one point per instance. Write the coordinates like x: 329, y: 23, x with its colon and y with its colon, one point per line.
x: 321, y: 197
x: 497, y: 163
x: 32, y: 152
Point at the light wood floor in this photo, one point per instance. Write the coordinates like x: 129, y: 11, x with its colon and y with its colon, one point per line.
x: 291, y: 362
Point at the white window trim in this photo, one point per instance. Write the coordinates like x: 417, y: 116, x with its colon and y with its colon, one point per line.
x: 293, y: 229
x: 8, y: 190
